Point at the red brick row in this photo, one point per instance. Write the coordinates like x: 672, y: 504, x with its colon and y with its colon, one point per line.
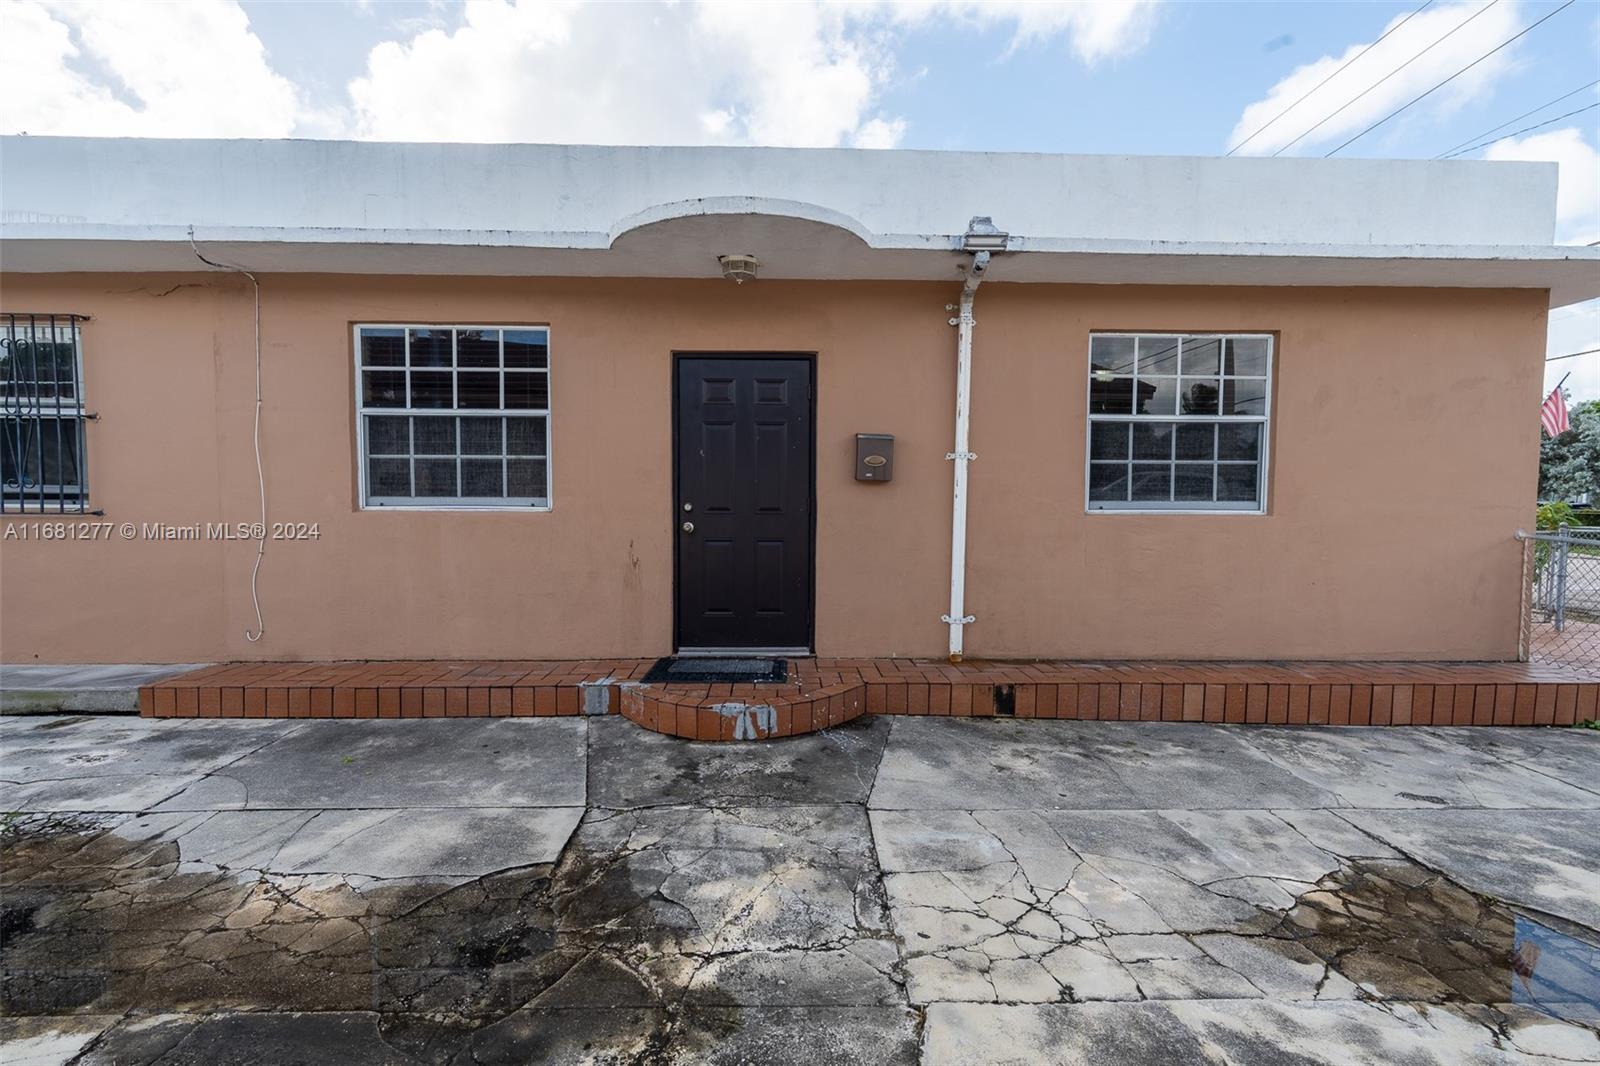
x: 261, y: 701
x: 1247, y: 703
x: 665, y: 709
x: 823, y: 692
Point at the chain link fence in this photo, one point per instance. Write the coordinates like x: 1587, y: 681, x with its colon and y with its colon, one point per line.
x: 1561, y: 608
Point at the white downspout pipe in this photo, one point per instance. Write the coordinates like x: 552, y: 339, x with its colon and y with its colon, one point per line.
x: 958, y: 618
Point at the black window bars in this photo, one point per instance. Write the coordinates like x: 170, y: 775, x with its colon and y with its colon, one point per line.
x: 42, y: 439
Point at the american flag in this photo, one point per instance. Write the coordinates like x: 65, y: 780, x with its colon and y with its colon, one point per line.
x: 1553, y: 413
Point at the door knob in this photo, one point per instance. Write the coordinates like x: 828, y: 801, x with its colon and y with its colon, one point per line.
x: 688, y: 527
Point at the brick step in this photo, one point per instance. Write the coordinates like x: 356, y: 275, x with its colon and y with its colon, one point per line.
x: 773, y: 711
x: 824, y: 692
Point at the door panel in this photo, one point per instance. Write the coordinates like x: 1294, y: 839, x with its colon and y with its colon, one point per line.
x: 744, y: 468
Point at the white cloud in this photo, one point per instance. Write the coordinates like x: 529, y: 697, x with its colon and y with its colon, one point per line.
x: 1575, y: 328
x: 141, y: 70
x: 1095, y: 29
x: 879, y: 133
x: 804, y: 73
x: 1490, y: 28
x: 777, y: 74
x: 1578, y: 182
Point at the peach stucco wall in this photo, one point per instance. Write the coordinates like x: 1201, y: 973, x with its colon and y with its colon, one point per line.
x: 1404, y: 457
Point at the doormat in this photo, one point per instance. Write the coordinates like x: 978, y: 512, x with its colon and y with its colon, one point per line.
x: 717, y: 671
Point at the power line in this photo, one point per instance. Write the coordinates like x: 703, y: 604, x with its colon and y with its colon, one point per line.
x: 1462, y: 147
x: 1330, y: 77
x: 1448, y: 34
x: 1452, y: 77
x: 1572, y: 355
x: 1525, y: 129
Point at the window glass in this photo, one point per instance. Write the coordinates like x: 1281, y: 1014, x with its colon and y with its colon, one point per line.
x: 454, y: 416
x: 389, y: 436
x: 1244, y: 396
x: 382, y: 388
x: 528, y: 348
x: 1246, y: 356
x: 478, y: 390
x: 1108, y: 440
x: 1152, y: 481
x: 1158, y: 396
x: 524, y: 390
x: 1201, y: 356
x: 1152, y: 440
x: 436, y: 477
x: 1111, y: 355
x: 1198, y: 397
x: 430, y: 347
x: 1109, y: 394
x: 1158, y: 355
x: 481, y: 436
x: 42, y: 421
x: 383, y: 347
x: 1193, y: 481
x: 478, y: 347
x: 1186, y: 429
x: 1108, y: 481
x: 1238, y: 440
x: 1197, y: 440
x: 525, y: 436
x: 431, y: 389
x: 434, y: 436
x: 389, y: 477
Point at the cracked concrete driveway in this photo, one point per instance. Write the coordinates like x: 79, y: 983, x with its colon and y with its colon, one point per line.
x: 897, y: 890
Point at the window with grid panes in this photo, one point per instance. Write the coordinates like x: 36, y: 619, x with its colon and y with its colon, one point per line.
x: 1178, y: 422
x: 454, y: 416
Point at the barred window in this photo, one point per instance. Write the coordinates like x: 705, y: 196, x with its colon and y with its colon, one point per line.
x: 41, y: 415
x: 1178, y: 422
x: 454, y: 416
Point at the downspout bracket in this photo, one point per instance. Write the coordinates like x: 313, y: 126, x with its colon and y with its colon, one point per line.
x: 952, y: 620
x: 966, y: 456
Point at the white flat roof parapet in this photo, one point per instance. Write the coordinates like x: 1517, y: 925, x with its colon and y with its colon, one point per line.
x: 555, y: 189
x: 121, y: 204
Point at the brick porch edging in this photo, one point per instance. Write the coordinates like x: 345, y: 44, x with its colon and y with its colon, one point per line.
x: 824, y: 692
x: 778, y: 711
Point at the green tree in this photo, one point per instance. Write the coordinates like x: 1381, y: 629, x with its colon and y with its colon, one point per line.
x: 1569, y: 465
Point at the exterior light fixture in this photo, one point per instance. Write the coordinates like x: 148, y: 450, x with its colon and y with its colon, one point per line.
x: 983, y: 236
x: 740, y: 268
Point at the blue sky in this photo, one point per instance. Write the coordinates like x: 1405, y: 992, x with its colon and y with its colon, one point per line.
x: 1104, y: 76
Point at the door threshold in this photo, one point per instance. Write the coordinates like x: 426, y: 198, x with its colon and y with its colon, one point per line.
x: 742, y: 653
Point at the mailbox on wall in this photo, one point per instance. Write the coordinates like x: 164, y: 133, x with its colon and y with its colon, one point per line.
x: 874, y: 456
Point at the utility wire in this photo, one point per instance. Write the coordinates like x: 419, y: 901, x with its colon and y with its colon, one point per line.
x: 1572, y: 355
x: 1330, y: 77
x: 1525, y: 129
x: 1462, y: 147
x: 252, y: 635
x: 1448, y: 34
x: 1452, y: 77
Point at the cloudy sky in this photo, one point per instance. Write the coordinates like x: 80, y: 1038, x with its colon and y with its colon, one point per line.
x: 1144, y: 76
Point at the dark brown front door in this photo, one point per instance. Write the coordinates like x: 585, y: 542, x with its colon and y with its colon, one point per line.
x: 743, y: 433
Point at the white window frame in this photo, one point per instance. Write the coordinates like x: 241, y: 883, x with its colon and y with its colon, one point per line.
x: 536, y: 505
x: 1156, y: 507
